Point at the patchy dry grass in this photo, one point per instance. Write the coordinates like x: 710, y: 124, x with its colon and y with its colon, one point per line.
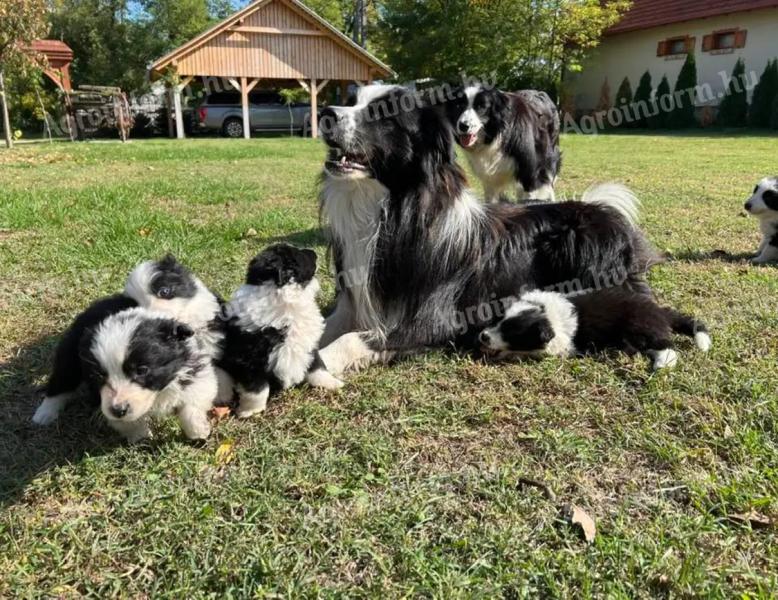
x: 406, y: 482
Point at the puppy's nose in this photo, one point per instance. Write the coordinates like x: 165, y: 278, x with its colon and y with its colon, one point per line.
x: 120, y: 410
x: 748, y: 206
x: 463, y: 127
x: 485, y: 338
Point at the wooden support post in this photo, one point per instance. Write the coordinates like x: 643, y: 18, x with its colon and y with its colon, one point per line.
x: 171, y: 126
x: 245, y: 88
x: 4, y: 108
x: 314, y: 109
x: 179, y: 113
x: 343, y: 93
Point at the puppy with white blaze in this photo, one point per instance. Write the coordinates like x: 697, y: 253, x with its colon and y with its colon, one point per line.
x: 143, y: 364
x: 543, y: 323
x: 165, y: 286
x: 414, y: 250
x: 511, y: 140
x: 272, y: 338
x: 763, y: 205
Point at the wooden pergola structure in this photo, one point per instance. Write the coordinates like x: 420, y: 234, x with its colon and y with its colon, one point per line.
x: 275, y: 41
x: 58, y: 58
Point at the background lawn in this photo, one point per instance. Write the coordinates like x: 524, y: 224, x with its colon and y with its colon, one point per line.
x: 407, y: 481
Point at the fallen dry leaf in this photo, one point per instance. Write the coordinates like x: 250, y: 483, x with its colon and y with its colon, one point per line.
x: 575, y: 515
x: 224, y: 452
x: 219, y: 413
x: 753, y: 518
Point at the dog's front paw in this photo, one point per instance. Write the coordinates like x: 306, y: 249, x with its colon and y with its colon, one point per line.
x: 45, y: 414
x: 321, y: 378
x: 665, y: 359
x: 252, y: 404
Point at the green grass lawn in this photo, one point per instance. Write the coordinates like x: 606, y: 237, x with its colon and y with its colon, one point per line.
x: 406, y: 483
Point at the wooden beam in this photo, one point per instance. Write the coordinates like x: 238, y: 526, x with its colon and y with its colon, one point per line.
x: 304, y: 85
x: 244, y: 102
x: 314, y: 109
x: 343, y: 92
x: 234, y: 83
x: 185, y: 81
x: 277, y: 31
x: 321, y: 86
x: 253, y: 84
x: 179, y: 113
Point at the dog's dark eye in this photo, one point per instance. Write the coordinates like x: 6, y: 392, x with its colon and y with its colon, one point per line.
x: 142, y: 370
x: 165, y: 293
x: 756, y: 189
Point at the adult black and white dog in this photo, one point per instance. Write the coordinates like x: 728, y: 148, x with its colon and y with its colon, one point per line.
x: 272, y: 337
x: 763, y: 205
x: 414, y: 250
x: 141, y: 364
x: 511, y: 140
x: 548, y: 323
x: 164, y: 286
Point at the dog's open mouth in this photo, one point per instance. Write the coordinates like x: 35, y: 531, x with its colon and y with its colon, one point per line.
x: 347, y: 163
x: 468, y: 140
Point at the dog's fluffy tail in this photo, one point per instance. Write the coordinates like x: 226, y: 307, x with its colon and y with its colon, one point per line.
x: 616, y: 196
x: 691, y: 327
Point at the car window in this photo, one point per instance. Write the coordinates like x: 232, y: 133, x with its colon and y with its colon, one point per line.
x: 265, y: 98
x: 223, y: 98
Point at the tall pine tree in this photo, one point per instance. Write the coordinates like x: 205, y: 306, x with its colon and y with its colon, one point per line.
x: 733, y: 110
x: 664, y: 98
x: 624, y: 100
x: 642, y: 101
x: 682, y: 116
x: 765, y: 93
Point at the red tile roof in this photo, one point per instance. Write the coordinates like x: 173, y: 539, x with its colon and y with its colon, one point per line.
x: 646, y: 14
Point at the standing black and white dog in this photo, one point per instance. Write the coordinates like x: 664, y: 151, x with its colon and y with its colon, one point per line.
x: 165, y: 286
x: 272, y: 337
x: 414, y: 250
x: 764, y: 206
x: 547, y: 323
x: 142, y: 364
x: 511, y: 140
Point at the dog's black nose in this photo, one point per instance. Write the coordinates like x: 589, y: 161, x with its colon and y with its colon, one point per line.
x: 485, y: 338
x: 120, y: 410
x: 462, y: 127
x: 748, y: 206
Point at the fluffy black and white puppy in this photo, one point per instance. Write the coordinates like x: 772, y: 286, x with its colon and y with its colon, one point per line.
x: 548, y: 323
x: 165, y: 286
x: 511, y: 140
x: 143, y: 364
x: 414, y: 250
x: 272, y: 337
x: 763, y: 205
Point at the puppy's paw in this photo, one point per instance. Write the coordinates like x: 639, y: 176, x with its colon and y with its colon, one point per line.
x: 247, y: 413
x: 198, y: 431
x: 252, y: 404
x: 664, y: 359
x: 321, y: 378
x: 49, y: 410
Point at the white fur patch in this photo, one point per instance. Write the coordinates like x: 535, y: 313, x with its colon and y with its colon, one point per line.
x: 562, y: 317
x: 50, y: 409
x: 616, y: 196
x: 703, y: 341
x: 664, y: 359
x: 321, y: 378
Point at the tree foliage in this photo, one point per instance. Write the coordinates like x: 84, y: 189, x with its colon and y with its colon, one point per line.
x: 624, y: 98
x: 659, y: 120
x: 682, y: 115
x: 733, y: 110
x: 522, y: 43
x: 765, y: 94
x: 642, y: 100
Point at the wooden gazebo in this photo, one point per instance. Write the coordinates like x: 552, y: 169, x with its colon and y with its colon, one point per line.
x: 276, y: 41
x: 59, y: 56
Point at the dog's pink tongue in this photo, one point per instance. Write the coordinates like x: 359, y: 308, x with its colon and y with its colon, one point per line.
x: 467, y: 140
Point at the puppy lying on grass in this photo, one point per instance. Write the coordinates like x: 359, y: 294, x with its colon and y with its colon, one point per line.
x: 548, y: 323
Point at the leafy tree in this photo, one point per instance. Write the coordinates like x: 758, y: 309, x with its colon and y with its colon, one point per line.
x: 765, y: 93
x: 624, y: 99
x: 733, y: 110
x: 536, y: 40
x: 664, y: 98
x: 685, y: 96
x: 774, y: 117
x: 642, y: 101
x: 21, y: 22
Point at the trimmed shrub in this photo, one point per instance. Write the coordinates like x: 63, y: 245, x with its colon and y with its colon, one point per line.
x: 663, y: 99
x: 765, y: 93
x: 642, y: 101
x: 774, y: 118
x: 733, y: 110
x: 624, y: 99
x: 682, y: 116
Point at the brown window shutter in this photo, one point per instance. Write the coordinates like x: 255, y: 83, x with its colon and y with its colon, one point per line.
x: 740, y: 38
x: 661, y: 49
x: 707, y: 42
x: 691, y: 42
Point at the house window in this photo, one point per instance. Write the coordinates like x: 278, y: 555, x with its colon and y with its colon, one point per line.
x: 724, y: 41
x: 676, y: 46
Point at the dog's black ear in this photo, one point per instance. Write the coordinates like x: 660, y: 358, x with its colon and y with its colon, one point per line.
x: 175, y: 331
x: 261, y: 268
x: 167, y: 262
x: 545, y: 332
x: 437, y: 135
x: 499, y: 113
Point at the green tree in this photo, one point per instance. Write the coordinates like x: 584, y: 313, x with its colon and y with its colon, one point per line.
x: 774, y: 117
x: 733, y: 110
x: 537, y: 41
x: 21, y: 22
x: 642, y: 101
x: 765, y: 93
x: 664, y: 99
x: 685, y: 95
x: 624, y: 99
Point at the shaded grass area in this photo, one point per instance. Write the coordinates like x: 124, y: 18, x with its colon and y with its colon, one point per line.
x: 406, y: 482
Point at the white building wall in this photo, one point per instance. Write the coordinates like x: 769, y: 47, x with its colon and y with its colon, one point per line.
x: 630, y: 54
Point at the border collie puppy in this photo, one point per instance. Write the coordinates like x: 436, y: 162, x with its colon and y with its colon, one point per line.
x: 272, y: 338
x: 764, y: 206
x: 143, y: 364
x: 511, y: 140
x: 547, y: 323
x: 414, y: 249
x: 165, y: 286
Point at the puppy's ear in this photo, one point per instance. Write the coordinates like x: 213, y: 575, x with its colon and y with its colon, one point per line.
x: 168, y: 261
x: 175, y: 331
x: 545, y: 332
x: 437, y: 134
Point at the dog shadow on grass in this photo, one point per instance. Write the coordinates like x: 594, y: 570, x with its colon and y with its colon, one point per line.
x: 711, y: 255
x: 27, y: 450
x: 310, y: 237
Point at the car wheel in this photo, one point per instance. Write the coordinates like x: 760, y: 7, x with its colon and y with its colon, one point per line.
x: 233, y: 128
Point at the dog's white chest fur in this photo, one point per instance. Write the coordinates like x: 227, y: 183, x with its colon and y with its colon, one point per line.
x: 292, y: 310
x: 493, y: 168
